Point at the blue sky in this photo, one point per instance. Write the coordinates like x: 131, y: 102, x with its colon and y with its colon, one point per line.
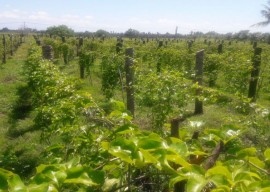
x: 161, y: 16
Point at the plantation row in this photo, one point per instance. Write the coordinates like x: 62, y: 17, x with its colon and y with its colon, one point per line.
x: 9, y: 44
x: 93, y: 148
x: 227, y: 70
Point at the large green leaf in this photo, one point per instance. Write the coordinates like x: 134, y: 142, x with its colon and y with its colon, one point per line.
x: 177, y: 179
x: 220, y: 181
x: 75, y: 172
x: 4, y: 176
x: 219, y: 170
x: 124, y: 144
x: 81, y: 180
x: 196, y: 182
x: 40, y: 188
x: 110, y: 184
x: 148, y: 157
x: 16, y: 184
x: 247, y: 152
x: 259, y: 185
x: 178, y: 160
x: 256, y: 161
x: 152, y: 141
x: 267, y: 154
x: 124, y: 155
x: 179, y: 146
x: 97, y: 176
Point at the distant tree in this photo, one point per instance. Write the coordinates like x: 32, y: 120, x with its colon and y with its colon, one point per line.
x: 132, y: 33
x: 228, y: 36
x: 102, y: 33
x: 243, y: 35
x: 212, y: 34
x: 61, y: 30
x: 5, y: 29
x: 266, y: 14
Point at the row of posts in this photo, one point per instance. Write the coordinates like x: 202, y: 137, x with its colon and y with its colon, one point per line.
x: 13, y: 46
x: 129, y: 52
x: 198, y: 78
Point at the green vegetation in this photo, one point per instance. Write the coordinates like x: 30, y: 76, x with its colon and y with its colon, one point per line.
x: 61, y: 31
x: 65, y: 127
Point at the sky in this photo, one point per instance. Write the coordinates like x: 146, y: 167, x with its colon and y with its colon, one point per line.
x: 222, y: 16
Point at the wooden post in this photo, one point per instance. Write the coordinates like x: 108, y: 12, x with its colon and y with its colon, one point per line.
x: 255, y: 74
x: 119, y: 46
x: 79, y: 46
x: 63, y: 39
x: 175, y: 128
x: 254, y: 44
x: 214, y: 156
x: 220, y: 48
x: 160, y: 44
x: 82, y: 71
x: 21, y: 39
x: 198, y: 79
x: 38, y: 42
x: 4, y: 58
x: 190, y: 45
x: 47, y: 52
x: 80, y: 41
x: 11, y: 44
x: 130, y: 80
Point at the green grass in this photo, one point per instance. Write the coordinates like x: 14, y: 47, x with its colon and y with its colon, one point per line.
x: 19, y: 148
x: 10, y: 80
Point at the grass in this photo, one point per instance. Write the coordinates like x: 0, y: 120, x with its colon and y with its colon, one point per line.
x: 19, y: 148
x: 10, y: 80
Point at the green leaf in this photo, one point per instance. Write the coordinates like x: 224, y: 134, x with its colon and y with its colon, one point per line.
x: 117, y: 105
x: 259, y: 185
x: 219, y: 170
x: 177, y: 179
x: 16, y: 184
x: 267, y: 154
x: 124, y: 155
x: 97, y: 176
x: 222, y: 188
x: 105, y: 145
x: 196, y: 182
x: 152, y: 141
x: 247, y: 152
x: 45, y: 168
x: 40, y: 188
x: 124, y: 144
x: 178, y: 160
x: 60, y: 176
x: 73, y: 162
x: 220, y: 181
x: 179, y: 146
x: 125, y: 129
x: 55, y: 148
x: 4, y: 175
x: 148, y: 157
x: 75, y: 172
x: 256, y: 161
x: 110, y: 184
x: 81, y: 180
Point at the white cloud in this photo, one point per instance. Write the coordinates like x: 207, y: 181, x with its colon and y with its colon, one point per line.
x: 12, y: 14
x: 40, y: 15
x: 89, y: 17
